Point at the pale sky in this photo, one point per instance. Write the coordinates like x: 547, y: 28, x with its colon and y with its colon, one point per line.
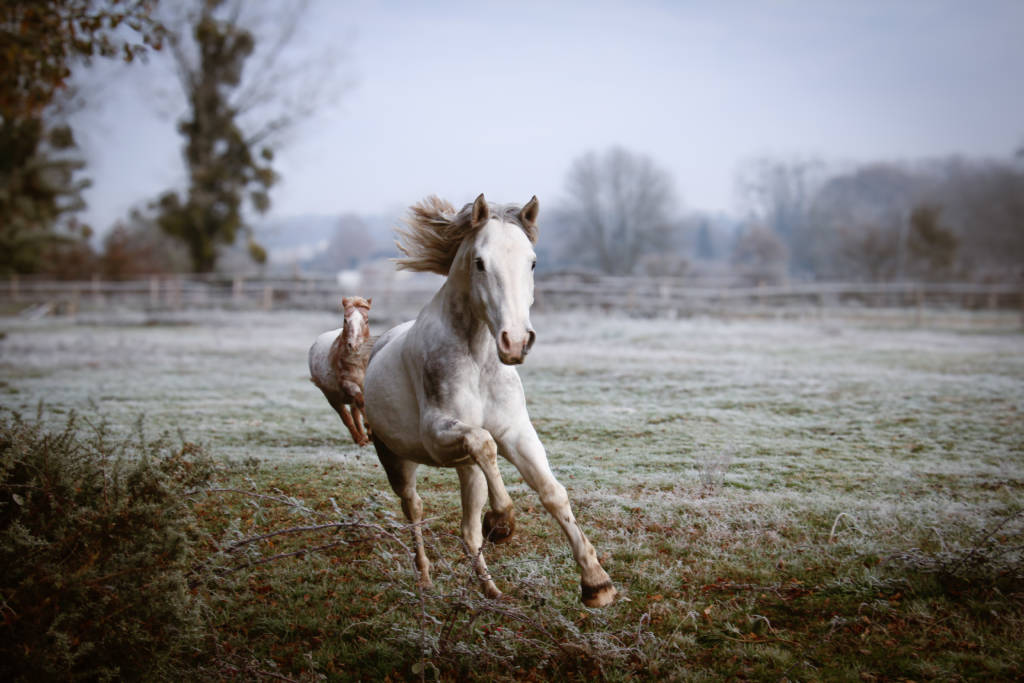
x: 458, y: 98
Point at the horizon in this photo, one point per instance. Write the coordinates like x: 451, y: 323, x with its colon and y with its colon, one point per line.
x: 699, y: 89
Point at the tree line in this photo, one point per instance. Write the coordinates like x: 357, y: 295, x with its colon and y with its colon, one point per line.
x: 231, y: 123
x: 619, y: 213
x: 943, y: 219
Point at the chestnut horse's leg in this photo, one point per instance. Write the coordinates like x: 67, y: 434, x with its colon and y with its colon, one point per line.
x: 355, y: 394
x: 402, y: 477
x: 346, y: 417
x: 474, y: 495
x: 360, y: 421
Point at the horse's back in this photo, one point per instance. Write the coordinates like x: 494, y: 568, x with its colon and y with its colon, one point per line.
x: 320, y: 370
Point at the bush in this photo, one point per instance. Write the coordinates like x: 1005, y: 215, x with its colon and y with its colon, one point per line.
x: 96, y: 543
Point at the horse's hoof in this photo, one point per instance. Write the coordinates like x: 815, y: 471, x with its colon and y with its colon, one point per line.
x: 498, y: 528
x: 600, y: 595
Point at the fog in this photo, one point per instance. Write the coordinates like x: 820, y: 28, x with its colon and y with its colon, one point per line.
x: 462, y: 97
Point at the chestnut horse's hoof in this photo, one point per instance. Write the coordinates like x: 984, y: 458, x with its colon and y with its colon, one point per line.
x: 600, y: 595
x: 498, y: 528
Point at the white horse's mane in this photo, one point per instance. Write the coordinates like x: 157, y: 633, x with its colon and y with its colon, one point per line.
x: 435, y: 230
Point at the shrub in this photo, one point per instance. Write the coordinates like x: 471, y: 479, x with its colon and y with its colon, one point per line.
x: 96, y: 543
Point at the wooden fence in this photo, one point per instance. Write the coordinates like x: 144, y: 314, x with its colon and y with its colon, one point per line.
x: 629, y: 295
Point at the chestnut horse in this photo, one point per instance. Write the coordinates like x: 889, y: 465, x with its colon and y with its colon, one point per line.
x: 337, y: 365
x: 441, y: 390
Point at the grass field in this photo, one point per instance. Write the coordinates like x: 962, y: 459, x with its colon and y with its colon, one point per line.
x: 817, y: 499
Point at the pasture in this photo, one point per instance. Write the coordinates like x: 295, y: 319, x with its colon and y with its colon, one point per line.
x: 833, y: 498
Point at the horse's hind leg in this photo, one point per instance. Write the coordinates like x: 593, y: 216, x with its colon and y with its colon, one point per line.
x: 402, y: 477
x: 474, y: 495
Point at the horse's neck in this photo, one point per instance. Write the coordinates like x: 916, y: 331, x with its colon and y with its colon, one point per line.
x: 451, y: 305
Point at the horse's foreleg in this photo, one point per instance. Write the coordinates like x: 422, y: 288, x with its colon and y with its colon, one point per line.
x: 450, y: 439
x: 402, y: 477
x: 474, y: 495
x: 343, y: 412
x: 360, y: 422
x: 527, y: 453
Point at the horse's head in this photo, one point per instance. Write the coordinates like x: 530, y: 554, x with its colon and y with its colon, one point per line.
x: 499, y: 263
x: 357, y: 321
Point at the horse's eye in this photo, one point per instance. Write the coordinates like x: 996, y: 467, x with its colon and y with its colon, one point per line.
x: 479, y: 264
x: 533, y: 265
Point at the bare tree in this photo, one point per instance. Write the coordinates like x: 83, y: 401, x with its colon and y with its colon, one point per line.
x: 760, y: 256
x: 777, y: 195
x: 619, y: 208
x: 350, y: 244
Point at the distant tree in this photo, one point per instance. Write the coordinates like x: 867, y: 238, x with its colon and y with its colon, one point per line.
x: 40, y: 185
x: 858, y: 222
x: 931, y: 247
x: 240, y: 100
x: 619, y: 208
x: 137, y: 247
x: 760, y: 256
x: 223, y: 163
x: 349, y: 246
x: 777, y: 195
x: 705, y: 247
x: 866, y: 252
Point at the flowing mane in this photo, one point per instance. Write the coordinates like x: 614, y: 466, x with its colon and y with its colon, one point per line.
x: 435, y: 231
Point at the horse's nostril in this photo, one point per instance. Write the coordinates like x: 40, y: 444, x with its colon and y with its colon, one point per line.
x: 506, y: 343
x: 531, y: 337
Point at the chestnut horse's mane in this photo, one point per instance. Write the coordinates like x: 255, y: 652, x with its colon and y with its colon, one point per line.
x: 435, y: 230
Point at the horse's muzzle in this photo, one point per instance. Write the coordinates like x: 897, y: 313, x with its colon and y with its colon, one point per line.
x: 513, y: 350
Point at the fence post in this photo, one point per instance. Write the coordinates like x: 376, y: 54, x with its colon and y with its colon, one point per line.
x: 174, y: 293
x: 154, y: 291
x: 73, y: 301
x: 268, y: 298
x: 236, y: 291
x: 15, y: 288
x: 97, y: 297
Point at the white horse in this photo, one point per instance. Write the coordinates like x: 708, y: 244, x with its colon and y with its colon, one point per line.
x: 441, y: 390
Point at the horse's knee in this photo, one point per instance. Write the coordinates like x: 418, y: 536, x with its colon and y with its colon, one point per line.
x: 553, y: 496
x: 480, y: 445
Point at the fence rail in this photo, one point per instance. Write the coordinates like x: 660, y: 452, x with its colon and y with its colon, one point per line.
x: 637, y: 296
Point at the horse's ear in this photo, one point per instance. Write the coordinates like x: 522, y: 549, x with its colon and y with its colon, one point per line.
x: 345, y: 302
x: 528, y: 214
x: 369, y: 302
x: 481, y: 214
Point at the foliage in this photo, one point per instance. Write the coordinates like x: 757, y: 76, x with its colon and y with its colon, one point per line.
x: 95, y: 547
x: 38, y: 186
x: 931, y: 247
x: 225, y: 165
x: 138, y: 247
x: 38, y: 166
x: 619, y: 208
x: 762, y: 256
x: 42, y: 39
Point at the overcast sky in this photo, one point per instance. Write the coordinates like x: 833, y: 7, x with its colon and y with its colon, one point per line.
x: 465, y: 97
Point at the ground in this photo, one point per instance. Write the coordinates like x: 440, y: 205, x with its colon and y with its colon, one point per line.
x: 834, y: 496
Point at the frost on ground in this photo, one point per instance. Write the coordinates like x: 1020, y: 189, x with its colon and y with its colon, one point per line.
x: 783, y: 432
x: 812, y: 499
